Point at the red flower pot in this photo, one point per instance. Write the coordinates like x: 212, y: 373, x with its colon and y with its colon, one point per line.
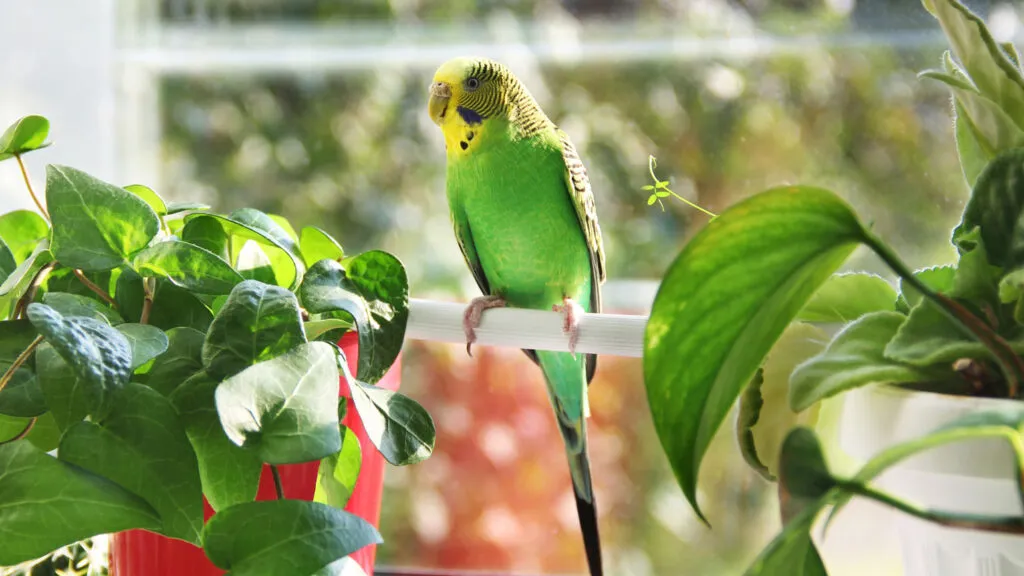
x: 143, y: 553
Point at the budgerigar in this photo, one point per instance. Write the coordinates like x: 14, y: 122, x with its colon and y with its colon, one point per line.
x: 525, y: 219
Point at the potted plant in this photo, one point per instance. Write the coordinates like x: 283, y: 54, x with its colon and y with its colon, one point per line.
x: 157, y: 356
x: 933, y: 368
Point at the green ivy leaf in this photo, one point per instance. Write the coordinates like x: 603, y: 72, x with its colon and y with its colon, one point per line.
x: 282, y: 251
x: 398, y: 426
x: 22, y: 396
x: 182, y: 360
x: 187, y: 266
x: 373, y: 289
x: 284, y: 408
x: 258, y: 322
x: 7, y: 262
x: 178, y: 207
x: 845, y: 297
x: 725, y: 301
x: 74, y: 305
x: 96, y: 225
x: 317, y: 245
x: 27, y: 134
x: 317, y: 328
x: 208, y: 233
x: 99, y: 355
x: 150, y: 197
x: 254, y: 264
x: 855, y: 357
x: 275, y: 537
x: 49, y: 504
x: 15, y: 286
x: 45, y: 435
x: 338, y: 473
x: 147, y: 342
x: 22, y: 231
x: 142, y: 447
x: 230, y: 474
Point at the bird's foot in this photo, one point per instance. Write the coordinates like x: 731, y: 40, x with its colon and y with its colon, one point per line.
x: 474, y: 313
x: 571, y: 314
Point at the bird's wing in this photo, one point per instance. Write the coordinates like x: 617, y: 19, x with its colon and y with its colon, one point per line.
x: 464, y: 236
x: 578, y: 186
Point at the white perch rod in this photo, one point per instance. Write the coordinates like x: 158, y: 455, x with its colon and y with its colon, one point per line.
x: 610, y: 334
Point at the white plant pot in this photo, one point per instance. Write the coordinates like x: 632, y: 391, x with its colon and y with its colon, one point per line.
x: 974, y: 476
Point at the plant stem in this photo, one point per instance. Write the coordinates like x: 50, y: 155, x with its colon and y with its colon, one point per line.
x: 277, y: 482
x: 30, y: 293
x: 92, y: 286
x: 22, y: 434
x: 1010, y: 364
x: 28, y: 184
x: 149, y: 290
x: 1001, y: 524
x: 18, y: 362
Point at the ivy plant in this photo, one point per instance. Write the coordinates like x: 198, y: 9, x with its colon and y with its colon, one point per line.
x: 154, y: 353
x: 768, y: 265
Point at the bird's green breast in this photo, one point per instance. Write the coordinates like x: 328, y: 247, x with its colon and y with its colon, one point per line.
x: 513, y: 196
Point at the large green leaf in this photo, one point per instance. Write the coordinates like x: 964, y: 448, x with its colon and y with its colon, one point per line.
x: 855, y: 357
x: 96, y: 225
x: 846, y: 297
x: 258, y: 322
x: 284, y: 408
x: 208, y: 233
x: 187, y: 266
x: 22, y: 231
x: 27, y: 134
x: 929, y: 338
x: 147, y: 342
x: 230, y: 474
x: 276, y: 537
x: 99, y: 355
x: 48, y: 504
x: 336, y: 479
x: 142, y: 446
x: 75, y: 305
x: 182, y: 360
x: 373, y: 289
x: 317, y: 245
x: 995, y: 76
x: 723, y: 303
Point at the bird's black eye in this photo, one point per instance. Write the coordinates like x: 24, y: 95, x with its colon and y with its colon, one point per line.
x: 472, y: 83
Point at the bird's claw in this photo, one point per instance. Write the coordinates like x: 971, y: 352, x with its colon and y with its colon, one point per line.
x: 571, y: 314
x: 474, y: 313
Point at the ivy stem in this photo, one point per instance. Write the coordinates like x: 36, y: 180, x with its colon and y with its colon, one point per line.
x: 28, y: 184
x: 277, y: 482
x: 92, y: 286
x: 1001, y: 524
x: 22, y: 434
x: 18, y: 362
x: 33, y: 288
x: 1010, y: 364
x: 149, y: 291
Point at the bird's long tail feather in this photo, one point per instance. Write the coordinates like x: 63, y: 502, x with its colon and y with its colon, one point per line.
x: 566, y: 388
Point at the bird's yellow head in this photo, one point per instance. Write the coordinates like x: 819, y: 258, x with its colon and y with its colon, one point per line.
x: 467, y: 92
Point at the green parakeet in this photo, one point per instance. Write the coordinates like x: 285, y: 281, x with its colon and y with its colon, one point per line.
x: 525, y: 218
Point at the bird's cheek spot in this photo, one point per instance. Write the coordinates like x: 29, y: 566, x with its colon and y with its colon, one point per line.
x: 464, y: 144
x: 469, y: 136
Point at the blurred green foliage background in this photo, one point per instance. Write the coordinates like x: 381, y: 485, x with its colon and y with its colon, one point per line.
x: 829, y: 96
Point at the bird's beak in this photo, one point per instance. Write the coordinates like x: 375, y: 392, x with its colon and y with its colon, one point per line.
x: 440, y: 94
